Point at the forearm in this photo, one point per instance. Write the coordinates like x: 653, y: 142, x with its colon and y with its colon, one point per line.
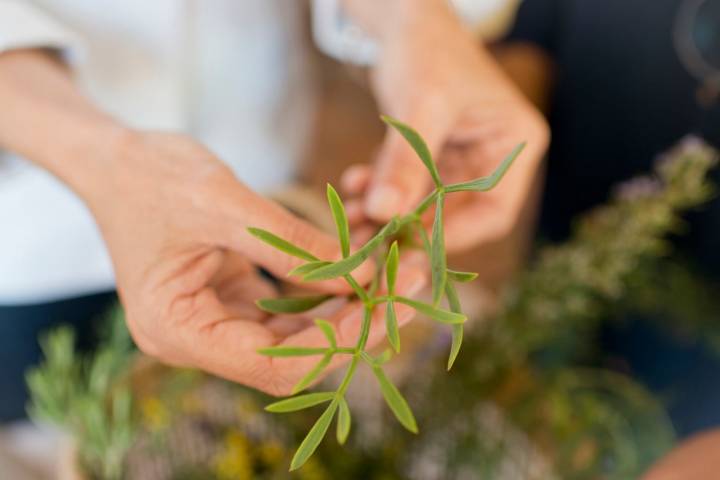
x: 47, y: 120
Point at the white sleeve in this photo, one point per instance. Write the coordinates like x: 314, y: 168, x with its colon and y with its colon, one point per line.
x: 337, y: 36
x: 23, y: 25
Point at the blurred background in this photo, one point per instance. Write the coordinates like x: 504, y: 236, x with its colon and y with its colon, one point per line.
x: 593, y: 349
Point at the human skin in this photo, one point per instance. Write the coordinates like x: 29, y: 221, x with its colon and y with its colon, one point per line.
x: 433, y: 75
x: 175, y: 220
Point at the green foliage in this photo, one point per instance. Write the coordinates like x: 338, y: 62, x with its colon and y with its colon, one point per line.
x: 418, y: 144
x: 341, y: 222
x: 314, y: 437
x: 457, y: 330
x: 313, y: 374
x: 347, y: 265
x: 343, y: 423
x: 488, y: 183
x: 328, y: 331
x: 462, y: 277
x: 391, y: 325
x: 438, y: 260
x: 326, y: 269
x: 395, y: 400
x: 281, y: 244
x: 291, y: 304
x: 88, y: 395
x: 520, y: 402
x: 285, y: 351
x: 306, y: 268
x: 595, y: 423
x: 300, y: 402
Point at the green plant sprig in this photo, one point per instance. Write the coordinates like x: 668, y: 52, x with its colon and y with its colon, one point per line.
x: 316, y: 269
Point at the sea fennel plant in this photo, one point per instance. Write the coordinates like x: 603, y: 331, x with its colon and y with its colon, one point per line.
x: 316, y: 269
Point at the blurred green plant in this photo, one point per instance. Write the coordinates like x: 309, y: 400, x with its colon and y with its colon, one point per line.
x: 86, y: 394
x: 318, y: 269
x: 521, y: 402
x: 548, y: 321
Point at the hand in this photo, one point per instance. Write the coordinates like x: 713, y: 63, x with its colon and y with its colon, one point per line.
x: 174, y: 219
x: 432, y: 75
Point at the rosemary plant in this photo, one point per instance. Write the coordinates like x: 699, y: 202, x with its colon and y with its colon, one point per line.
x: 315, y: 269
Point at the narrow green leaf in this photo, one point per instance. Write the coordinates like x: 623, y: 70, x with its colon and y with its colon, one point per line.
x: 367, y: 358
x: 435, y: 313
x: 418, y: 144
x: 306, y: 268
x: 457, y: 329
x: 328, y: 330
x: 384, y: 357
x: 313, y: 374
x: 300, y: 402
x: 391, y: 325
x: 391, y: 267
x: 281, y: 244
x: 314, y: 437
x: 462, y: 277
x: 484, y: 184
x: 343, y: 422
x: 375, y: 282
x: 283, y: 351
x: 291, y: 304
x: 381, y: 359
x: 420, y: 229
x: 438, y: 260
x: 347, y: 265
x: 341, y: 222
x: 395, y: 400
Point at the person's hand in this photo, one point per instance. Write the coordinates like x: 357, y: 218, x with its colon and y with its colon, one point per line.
x: 433, y: 76
x: 175, y: 221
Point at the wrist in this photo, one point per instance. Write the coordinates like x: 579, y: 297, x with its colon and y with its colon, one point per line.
x: 50, y: 123
x: 88, y: 160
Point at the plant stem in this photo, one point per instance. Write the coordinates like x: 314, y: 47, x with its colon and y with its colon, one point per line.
x: 370, y: 303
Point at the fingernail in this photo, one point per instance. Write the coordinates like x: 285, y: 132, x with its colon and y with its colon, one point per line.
x: 384, y: 201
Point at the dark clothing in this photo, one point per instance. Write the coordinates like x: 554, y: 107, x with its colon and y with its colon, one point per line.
x: 622, y: 96
x: 20, y: 327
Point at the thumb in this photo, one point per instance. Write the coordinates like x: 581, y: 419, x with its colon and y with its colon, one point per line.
x: 252, y: 210
x: 400, y: 179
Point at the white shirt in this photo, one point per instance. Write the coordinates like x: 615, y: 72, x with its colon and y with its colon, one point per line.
x: 228, y: 72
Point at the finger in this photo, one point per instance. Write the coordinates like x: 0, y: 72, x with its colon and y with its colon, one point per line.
x: 400, y: 179
x: 227, y: 346
x: 286, y: 325
x: 355, y: 212
x: 499, y: 208
x: 363, y: 233
x: 355, y: 179
x: 246, y: 209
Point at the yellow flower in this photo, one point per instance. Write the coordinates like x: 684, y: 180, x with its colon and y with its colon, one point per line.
x: 155, y: 416
x: 312, y: 470
x: 234, y: 462
x: 271, y: 453
x: 246, y: 407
